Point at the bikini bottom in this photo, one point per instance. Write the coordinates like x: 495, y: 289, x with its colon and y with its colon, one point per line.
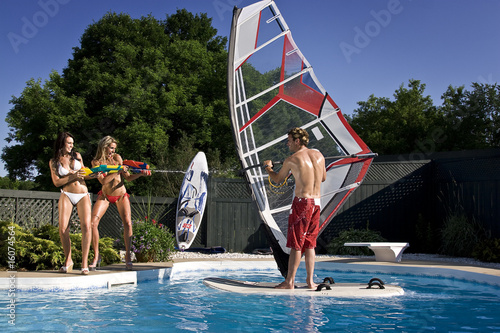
x: 114, y: 198
x: 75, y: 197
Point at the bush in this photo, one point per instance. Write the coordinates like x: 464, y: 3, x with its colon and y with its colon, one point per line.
x: 14, y: 184
x: 336, y: 246
x: 488, y: 250
x: 460, y: 235
x: 152, y: 241
x: 31, y: 252
x: 41, y: 247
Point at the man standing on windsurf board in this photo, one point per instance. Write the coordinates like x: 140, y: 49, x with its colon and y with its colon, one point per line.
x: 308, y: 168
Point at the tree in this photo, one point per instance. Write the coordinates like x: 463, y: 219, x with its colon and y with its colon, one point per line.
x: 38, y: 115
x: 471, y: 118
x: 148, y: 83
x: 410, y: 123
x: 404, y: 125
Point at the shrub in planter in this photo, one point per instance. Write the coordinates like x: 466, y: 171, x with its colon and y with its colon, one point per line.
x: 152, y: 241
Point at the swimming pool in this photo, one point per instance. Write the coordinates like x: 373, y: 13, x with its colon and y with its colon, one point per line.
x: 181, y: 303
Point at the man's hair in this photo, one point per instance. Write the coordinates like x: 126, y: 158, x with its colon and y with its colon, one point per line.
x: 299, y: 133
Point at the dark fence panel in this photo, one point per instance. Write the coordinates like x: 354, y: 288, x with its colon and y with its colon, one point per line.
x: 410, y: 200
x: 390, y: 200
x: 31, y: 208
x: 470, y: 185
x: 233, y: 220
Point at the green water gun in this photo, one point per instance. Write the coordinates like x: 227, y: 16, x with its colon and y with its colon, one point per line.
x: 103, y: 168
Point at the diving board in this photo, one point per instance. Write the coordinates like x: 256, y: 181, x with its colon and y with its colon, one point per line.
x: 384, y: 251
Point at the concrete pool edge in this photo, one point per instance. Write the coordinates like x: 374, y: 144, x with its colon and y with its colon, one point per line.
x: 116, y: 275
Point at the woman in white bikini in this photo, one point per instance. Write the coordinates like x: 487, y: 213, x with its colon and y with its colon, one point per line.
x: 65, y: 169
x: 113, y: 191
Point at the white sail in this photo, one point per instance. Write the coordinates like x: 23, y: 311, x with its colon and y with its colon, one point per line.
x: 271, y: 89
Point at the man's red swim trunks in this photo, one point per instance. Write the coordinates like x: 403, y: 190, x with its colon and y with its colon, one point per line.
x: 303, y: 224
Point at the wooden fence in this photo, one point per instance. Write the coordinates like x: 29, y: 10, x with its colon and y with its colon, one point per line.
x: 405, y: 200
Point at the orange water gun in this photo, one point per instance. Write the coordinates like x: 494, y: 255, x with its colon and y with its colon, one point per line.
x: 143, y: 167
x: 135, y: 165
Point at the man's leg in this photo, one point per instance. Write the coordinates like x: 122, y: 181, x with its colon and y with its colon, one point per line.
x: 310, y: 258
x: 293, y: 265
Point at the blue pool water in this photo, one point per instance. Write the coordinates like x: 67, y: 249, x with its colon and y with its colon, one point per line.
x: 183, y: 304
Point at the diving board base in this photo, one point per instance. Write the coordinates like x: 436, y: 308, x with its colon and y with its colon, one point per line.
x: 384, y: 251
x: 358, y: 290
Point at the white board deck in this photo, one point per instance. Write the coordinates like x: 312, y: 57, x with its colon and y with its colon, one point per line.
x: 336, y: 290
x: 191, y: 202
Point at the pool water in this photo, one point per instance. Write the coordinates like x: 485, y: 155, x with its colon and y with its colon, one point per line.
x: 183, y: 304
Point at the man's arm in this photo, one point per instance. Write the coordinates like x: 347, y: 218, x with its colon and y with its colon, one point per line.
x: 280, y: 176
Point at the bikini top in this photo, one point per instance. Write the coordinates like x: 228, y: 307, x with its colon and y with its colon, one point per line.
x: 63, y: 171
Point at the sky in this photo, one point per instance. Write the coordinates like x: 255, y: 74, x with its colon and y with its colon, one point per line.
x: 357, y: 48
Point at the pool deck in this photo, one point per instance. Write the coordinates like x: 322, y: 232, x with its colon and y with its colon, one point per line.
x: 116, y: 274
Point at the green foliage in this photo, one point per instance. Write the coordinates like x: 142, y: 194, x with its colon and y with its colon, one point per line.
x: 144, y: 81
x: 487, y: 250
x: 395, y: 127
x: 41, y: 249
x: 336, y: 246
x: 108, y: 253
x: 460, y: 235
x: 14, y: 184
x: 31, y: 252
x: 177, y: 158
x: 148, y: 210
x: 471, y: 118
x: 46, y: 231
x: 152, y: 241
x: 410, y: 123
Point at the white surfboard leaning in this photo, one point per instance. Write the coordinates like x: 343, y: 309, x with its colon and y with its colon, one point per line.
x: 192, y: 201
x: 374, y: 288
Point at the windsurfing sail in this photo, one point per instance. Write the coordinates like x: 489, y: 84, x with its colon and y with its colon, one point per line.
x: 271, y: 89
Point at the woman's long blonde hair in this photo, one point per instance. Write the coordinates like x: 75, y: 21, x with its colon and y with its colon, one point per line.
x: 103, y: 144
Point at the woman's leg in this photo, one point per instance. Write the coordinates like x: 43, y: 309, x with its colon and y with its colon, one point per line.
x: 100, y: 207
x: 124, y: 210
x: 65, y: 209
x: 84, y: 208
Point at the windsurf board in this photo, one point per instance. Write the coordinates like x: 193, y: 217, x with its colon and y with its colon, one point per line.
x: 191, y: 202
x: 375, y: 288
